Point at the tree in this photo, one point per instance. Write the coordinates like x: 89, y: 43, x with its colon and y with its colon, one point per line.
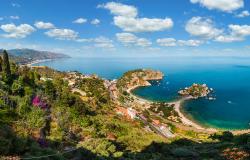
x: 1, y: 63
x: 225, y: 136
x: 6, y: 64
x: 35, y: 119
x: 49, y: 89
x: 17, y: 88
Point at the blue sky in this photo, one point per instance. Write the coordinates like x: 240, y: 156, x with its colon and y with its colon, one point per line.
x: 128, y: 27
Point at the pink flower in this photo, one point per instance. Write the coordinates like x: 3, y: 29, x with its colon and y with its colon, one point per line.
x: 37, y: 102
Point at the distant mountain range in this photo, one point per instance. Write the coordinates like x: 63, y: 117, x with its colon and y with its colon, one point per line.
x: 23, y: 56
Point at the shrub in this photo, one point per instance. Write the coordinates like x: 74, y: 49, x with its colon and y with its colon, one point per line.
x: 183, y: 152
x: 226, y: 136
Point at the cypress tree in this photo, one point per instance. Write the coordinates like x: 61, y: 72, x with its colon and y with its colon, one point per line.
x: 6, y: 64
x: 1, y: 63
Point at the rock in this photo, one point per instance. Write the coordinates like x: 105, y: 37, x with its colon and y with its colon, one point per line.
x: 196, y: 91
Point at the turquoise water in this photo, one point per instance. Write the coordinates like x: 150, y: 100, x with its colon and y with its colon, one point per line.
x: 229, y: 77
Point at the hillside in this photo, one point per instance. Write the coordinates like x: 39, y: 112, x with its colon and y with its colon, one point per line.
x: 47, y: 114
x: 23, y: 56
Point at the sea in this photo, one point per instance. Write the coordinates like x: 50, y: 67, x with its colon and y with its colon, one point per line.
x: 228, y: 106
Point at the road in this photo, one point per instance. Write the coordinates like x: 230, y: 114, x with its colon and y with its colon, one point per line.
x: 166, y: 133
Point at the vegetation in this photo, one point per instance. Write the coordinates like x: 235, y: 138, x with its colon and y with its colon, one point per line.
x: 196, y: 91
x: 135, y: 78
x: 96, y: 91
x: 163, y: 108
x: 6, y: 64
x: 165, y: 111
x: 42, y: 117
x: 1, y: 63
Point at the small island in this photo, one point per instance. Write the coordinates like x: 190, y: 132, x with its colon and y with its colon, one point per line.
x: 196, y: 91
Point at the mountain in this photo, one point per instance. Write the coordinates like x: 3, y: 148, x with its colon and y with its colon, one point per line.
x: 23, y: 56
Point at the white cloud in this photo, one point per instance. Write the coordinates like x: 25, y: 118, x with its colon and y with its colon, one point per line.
x: 120, y: 9
x: 222, y: 5
x: 243, y: 14
x: 236, y: 33
x: 240, y: 30
x: 228, y: 38
x: 205, y: 28
x: 44, y: 25
x: 143, y: 42
x: 62, y: 34
x: 14, y: 31
x: 191, y: 43
x: 130, y: 24
x: 104, y: 45
x: 167, y: 42
x: 83, y: 40
x: 126, y: 18
x: 103, y: 42
x: 99, y: 42
x: 126, y: 38
x: 202, y: 27
x: 95, y: 21
x: 171, y: 42
x: 80, y: 20
x: 129, y: 39
x: 14, y: 17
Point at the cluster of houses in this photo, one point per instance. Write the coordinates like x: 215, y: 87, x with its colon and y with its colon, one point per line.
x: 156, y: 125
x: 72, y: 77
x: 129, y: 113
x: 163, y: 129
x: 111, y: 86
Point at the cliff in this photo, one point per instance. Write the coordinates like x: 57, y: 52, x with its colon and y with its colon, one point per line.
x: 136, y: 78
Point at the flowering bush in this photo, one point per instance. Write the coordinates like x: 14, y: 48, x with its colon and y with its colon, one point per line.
x: 38, y: 102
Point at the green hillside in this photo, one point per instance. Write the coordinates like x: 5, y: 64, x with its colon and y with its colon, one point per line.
x: 41, y: 117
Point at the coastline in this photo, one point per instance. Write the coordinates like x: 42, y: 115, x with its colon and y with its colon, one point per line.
x: 177, y: 108
x: 29, y: 64
x: 141, y: 100
x: 185, y: 120
x: 188, y: 121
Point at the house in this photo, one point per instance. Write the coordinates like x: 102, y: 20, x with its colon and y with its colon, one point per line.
x: 156, y: 122
x: 166, y: 131
x: 132, y: 113
x: 45, y: 79
x: 129, y: 113
x: 122, y: 111
x: 113, y: 91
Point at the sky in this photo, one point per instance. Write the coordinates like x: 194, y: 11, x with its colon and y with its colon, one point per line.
x: 127, y: 28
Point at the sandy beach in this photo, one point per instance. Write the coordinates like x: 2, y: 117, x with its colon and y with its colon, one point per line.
x: 177, y: 108
x: 189, y: 122
x: 186, y: 121
x: 37, y: 61
x: 141, y: 100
